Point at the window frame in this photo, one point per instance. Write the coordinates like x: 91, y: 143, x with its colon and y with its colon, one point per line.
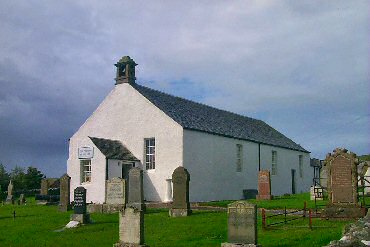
x: 274, y: 161
x: 85, y: 173
x: 239, y: 157
x: 300, y: 165
x: 149, y: 153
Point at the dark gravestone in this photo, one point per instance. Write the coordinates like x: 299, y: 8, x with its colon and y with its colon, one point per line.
x: 79, y: 208
x: 64, y: 203
x: 80, y: 200
x: 264, y: 185
x: 180, y: 205
x: 135, y: 189
x: 9, y: 198
x: 242, y: 224
x: 341, y: 168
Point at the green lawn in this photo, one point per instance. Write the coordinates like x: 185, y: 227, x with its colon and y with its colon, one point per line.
x: 37, y: 225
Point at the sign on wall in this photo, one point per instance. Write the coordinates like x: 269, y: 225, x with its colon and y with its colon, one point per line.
x: 85, y: 152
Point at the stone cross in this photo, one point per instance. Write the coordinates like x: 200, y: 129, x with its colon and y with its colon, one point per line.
x: 115, y: 191
x: 242, y: 224
x: 79, y: 208
x: 180, y: 205
x: 264, y: 185
x: 135, y: 189
x: 131, y: 228
x: 64, y: 203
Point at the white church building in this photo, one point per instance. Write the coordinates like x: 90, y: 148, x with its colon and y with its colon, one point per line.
x: 157, y: 132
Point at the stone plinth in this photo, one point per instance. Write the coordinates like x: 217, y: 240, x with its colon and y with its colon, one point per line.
x: 179, y: 212
x: 82, y: 218
x: 264, y: 185
x: 104, y: 208
x: 238, y: 245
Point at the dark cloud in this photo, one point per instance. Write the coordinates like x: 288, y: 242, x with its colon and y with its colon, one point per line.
x: 301, y: 67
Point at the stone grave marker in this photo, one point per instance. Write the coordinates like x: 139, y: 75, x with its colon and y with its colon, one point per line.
x: 242, y: 224
x: 115, y: 191
x: 22, y: 199
x: 79, y: 207
x: 132, y: 236
x: 180, y: 205
x: 64, y: 201
x: 341, y: 168
x: 44, y: 190
x: 264, y: 185
x: 9, y: 198
x: 135, y: 189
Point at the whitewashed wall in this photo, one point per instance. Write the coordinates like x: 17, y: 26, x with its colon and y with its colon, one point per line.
x: 287, y: 160
x: 128, y: 116
x: 211, y: 162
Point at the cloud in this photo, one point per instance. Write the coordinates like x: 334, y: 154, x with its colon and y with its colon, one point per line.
x: 299, y: 66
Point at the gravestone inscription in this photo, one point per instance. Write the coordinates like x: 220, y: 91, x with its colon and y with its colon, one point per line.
x: 80, y: 200
x: 79, y: 206
x: 242, y: 224
x: 264, y: 185
x: 180, y: 205
x: 115, y: 191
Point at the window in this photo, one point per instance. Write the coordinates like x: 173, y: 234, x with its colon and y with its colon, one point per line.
x: 85, y: 171
x: 239, y: 157
x: 149, y: 153
x: 301, y: 166
x: 274, y: 163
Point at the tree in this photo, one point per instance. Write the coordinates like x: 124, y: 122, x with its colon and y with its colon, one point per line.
x: 4, y: 178
x: 32, y: 179
x: 17, y: 176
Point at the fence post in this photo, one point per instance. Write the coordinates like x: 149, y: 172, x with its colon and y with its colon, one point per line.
x: 310, y: 218
x: 263, y: 219
x: 304, y: 209
x: 285, y: 215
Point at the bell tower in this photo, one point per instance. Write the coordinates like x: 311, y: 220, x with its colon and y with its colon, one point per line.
x: 125, y: 70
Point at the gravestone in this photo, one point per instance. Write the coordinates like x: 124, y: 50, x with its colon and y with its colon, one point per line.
x: 115, y: 191
x: 79, y: 207
x: 64, y: 201
x: 341, y: 168
x: 131, y: 228
x: 21, y: 200
x: 9, y: 198
x: 180, y: 205
x: 135, y: 189
x: 44, y: 190
x: 264, y: 185
x: 242, y: 224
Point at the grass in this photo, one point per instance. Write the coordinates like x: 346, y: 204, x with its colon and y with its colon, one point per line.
x: 37, y: 225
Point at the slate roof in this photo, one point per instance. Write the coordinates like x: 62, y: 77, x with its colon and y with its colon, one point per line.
x: 113, y: 149
x: 195, y: 116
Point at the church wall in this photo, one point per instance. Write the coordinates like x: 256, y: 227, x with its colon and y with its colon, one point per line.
x: 211, y: 162
x: 127, y: 116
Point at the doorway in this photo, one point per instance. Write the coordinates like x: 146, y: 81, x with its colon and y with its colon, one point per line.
x: 293, y: 181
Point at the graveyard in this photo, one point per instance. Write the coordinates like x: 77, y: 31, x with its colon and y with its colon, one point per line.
x: 42, y: 225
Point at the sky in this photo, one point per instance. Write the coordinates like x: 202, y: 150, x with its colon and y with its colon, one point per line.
x: 300, y: 66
